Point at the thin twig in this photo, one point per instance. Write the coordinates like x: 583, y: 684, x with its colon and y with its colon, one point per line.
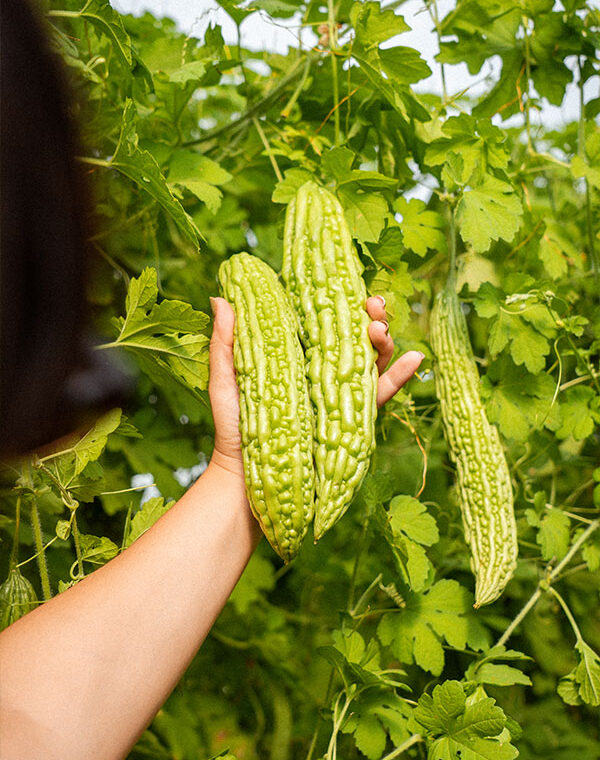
x: 269, y: 152
x: 544, y: 584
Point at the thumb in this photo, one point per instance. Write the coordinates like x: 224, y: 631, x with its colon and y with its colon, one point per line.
x: 221, y: 342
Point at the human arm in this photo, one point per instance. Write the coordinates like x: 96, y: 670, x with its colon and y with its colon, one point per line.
x: 84, y: 674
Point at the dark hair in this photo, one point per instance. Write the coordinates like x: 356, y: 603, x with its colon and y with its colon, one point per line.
x: 44, y: 255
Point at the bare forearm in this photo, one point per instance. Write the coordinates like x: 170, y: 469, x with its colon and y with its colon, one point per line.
x: 100, y: 659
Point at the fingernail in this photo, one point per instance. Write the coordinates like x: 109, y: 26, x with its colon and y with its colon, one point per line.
x: 382, y: 299
x: 421, y: 354
x: 386, y: 324
x: 213, y: 305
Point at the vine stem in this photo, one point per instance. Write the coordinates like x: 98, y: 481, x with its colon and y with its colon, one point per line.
x: 77, y: 542
x: 595, y: 268
x: 260, y: 106
x: 332, y: 749
x: 360, y: 547
x: 37, y: 554
x: 414, y: 739
x: 265, y: 142
x: 41, y: 554
x: 568, y: 613
x: 451, y: 282
x: 15, y: 545
x: 525, y: 22
x: 64, y: 14
x: 544, y: 584
x: 334, y: 69
x: 435, y: 17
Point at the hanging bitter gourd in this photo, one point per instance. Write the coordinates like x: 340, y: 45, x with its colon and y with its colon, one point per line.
x: 17, y: 598
x: 276, y: 417
x: 485, y: 491
x: 323, y: 275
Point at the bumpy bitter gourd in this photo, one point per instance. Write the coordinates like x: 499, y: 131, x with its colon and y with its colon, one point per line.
x: 17, y: 598
x: 485, y: 491
x: 276, y: 417
x: 323, y: 275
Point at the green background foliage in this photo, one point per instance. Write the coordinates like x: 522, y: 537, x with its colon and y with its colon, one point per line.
x: 366, y: 645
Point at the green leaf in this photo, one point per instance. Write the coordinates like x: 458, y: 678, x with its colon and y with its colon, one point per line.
x: 579, y: 413
x: 501, y: 675
x: 524, y: 332
x: 554, y: 534
x: 447, y: 702
x: 491, y: 211
x: 517, y: 401
x: 476, y: 143
x: 198, y: 174
x: 403, y: 65
x: 409, y: 517
x: 557, y: 251
x: 141, y: 167
x: 189, y: 72
x: 421, y: 229
x: 391, y: 69
x: 374, y: 25
x: 365, y: 213
x: 405, y: 526
x: 374, y: 715
x: 145, y: 518
x: 568, y: 689
x: 286, y: 189
x: 417, y: 565
x: 587, y: 674
x: 370, y: 737
x: 442, y: 613
x: 164, y: 336
x: 457, y: 728
x: 97, y: 550
x: 78, y: 453
x: 486, y: 671
x: 591, y: 556
x: 63, y: 529
x: 108, y: 22
x: 337, y: 163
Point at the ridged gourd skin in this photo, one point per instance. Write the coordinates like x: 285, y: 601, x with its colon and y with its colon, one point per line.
x: 17, y: 598
x: 485, y: 492
x: 276, y: 417
x: 323, y: 275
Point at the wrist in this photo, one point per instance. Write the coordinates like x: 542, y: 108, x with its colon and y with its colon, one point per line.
x: 227, y: 464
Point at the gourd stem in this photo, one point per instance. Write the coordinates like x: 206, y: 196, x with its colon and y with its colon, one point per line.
x: 334, y: 70
x: 451, y: 281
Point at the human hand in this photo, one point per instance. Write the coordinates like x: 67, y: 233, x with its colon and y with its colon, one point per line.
x: 223, y: 390
x: 391, y: 380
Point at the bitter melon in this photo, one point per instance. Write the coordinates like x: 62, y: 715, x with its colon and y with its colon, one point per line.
x: 276, y: 417
x: 17, y: 598
x: 485, y: 492
x: 323, y: 276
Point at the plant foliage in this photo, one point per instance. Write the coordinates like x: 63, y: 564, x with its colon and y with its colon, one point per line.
x: 367, y: 645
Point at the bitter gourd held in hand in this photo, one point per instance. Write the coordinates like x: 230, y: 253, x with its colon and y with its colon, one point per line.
x: 276, y: 417
x: 484, y: 486
x: 323, y: 275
